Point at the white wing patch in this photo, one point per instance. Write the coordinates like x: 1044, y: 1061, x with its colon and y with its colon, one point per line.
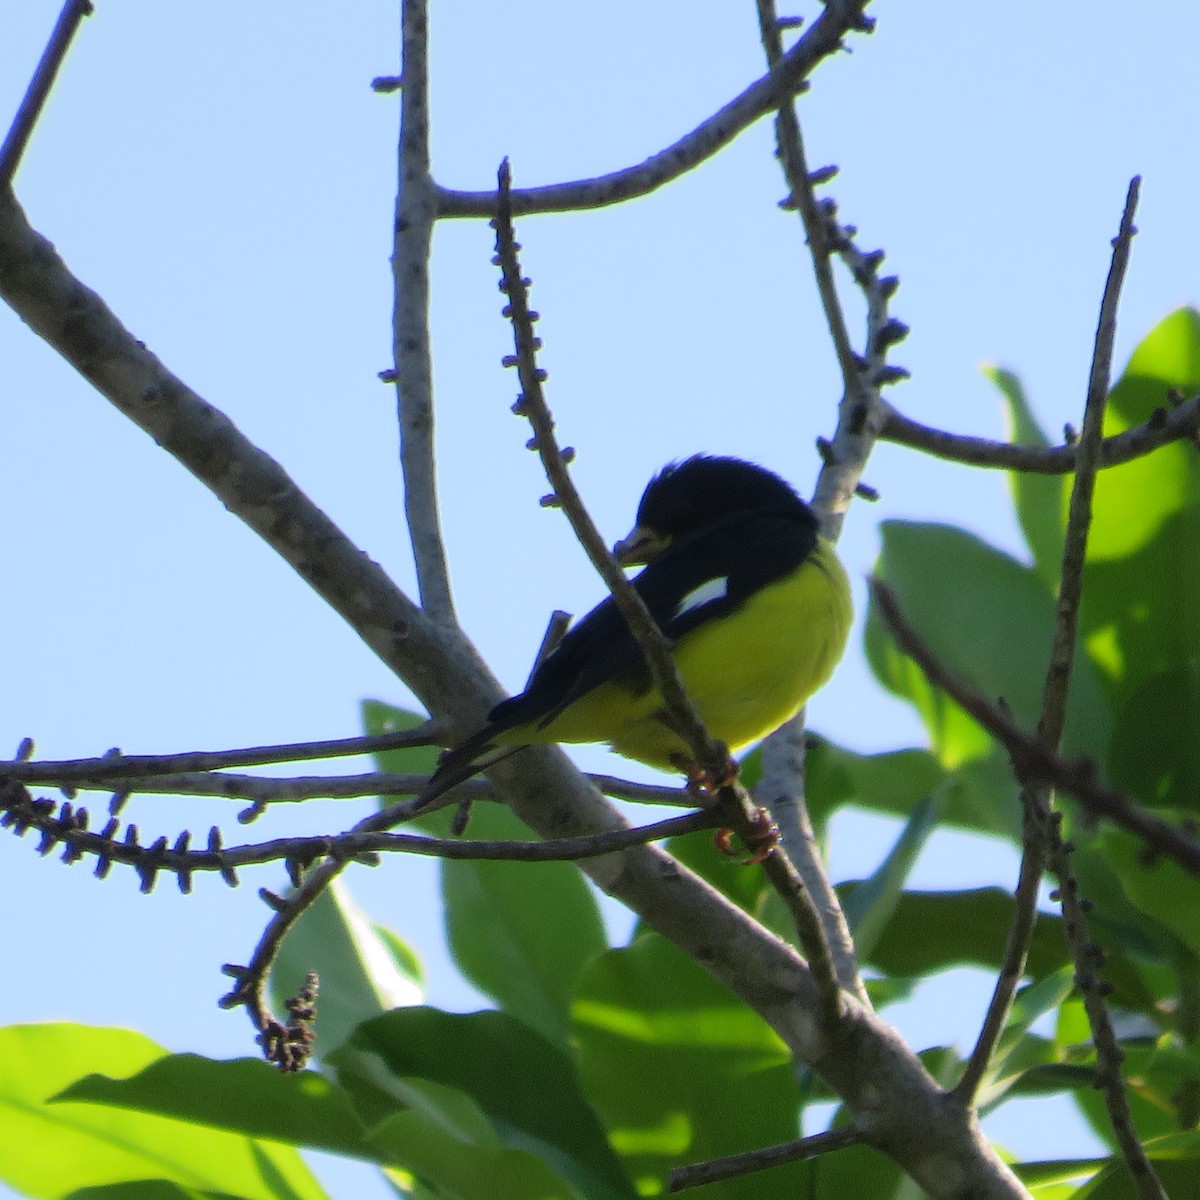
x: 706, y: 593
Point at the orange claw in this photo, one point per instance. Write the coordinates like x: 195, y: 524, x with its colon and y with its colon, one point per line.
x: 703, y: 784
x: 760, y: 839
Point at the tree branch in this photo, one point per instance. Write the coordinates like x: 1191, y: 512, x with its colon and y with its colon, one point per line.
x: 266, y: 790
x: 1037, y: 800
x: 68, y: 825
x: 115, y: 767
x: 252, y: 485
x: 416, y: 204
x: 19, y: 133
x: 713, y: 757
x: 1032, y: 760
x: 781, y: 785
x: 734, y: 1165
x: 1168, y: 424
x: 824, y: 37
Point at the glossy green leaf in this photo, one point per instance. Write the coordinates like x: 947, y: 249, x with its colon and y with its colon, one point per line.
x: 1175, y: 1158
x: 853, y: 1171
x: 145, y: 1189
x: 989, y: 619
x: 244, y: 1095
x: 979, y: 794
x: 360, y: 971
x: 1015, y: 1051
x: 1139, y: 615
x: 1040, y: 500
x: 873, y: 903
x: 1150, y: 1083
x: 520, y: 932
x: 1154, y: 755
x: 1055, y: 1178
x: 679, y: 1068
x: 380, y: 718
x: 890, y: 782
x: 94, y: 1145
x: 1135, y: 500
x: 525, y: 1085
x: 932, y: 931
x: 462, y: 1170
x: 1161, y: 888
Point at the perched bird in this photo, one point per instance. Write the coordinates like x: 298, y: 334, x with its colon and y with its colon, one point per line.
x: 737, y: 576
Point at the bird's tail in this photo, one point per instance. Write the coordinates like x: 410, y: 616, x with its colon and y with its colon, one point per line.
x: 461, y: 763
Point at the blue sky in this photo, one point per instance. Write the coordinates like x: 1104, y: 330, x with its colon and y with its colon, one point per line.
x: 226, y: 180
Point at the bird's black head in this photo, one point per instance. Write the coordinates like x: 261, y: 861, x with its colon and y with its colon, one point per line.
x: 693, y: 494
x: 688, y: 495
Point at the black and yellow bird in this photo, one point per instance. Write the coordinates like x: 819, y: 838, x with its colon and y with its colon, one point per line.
x: 752, y: 597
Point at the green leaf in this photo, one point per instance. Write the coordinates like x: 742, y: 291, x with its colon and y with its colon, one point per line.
x: 989, y: 620
x: 144, y: 1189
x: 1139, y: 615
x: 1163, y: 889
x: 1176, y: 1161
x: 1134, y: 501
x: 930, y: 931
x: 872, y: 904
x: 244, y: 1095
x: 380, y: 718
x: 1041, y: 1177
x: 890, y: 782
x: 1151, y: 1080
x: 94, y: 1146
x: 979, y: 794
x: 524, y: 1084
x: 679, y: 1068
x: 1015, y: 1050
x: 1040, y: 500
x: 464, y: 1171
x: 361, y: 972
x: 856, y: 1171
x: 1155, y: 753
x: 521, y: 932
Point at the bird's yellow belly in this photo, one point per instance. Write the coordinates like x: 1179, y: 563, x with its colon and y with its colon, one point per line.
x: 747, y: 673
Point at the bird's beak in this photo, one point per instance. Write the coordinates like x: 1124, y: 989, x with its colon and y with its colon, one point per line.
x: 640, y: 547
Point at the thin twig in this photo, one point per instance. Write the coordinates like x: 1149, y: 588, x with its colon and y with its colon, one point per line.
x: 823, y: 38
x: 655, y: 647
x: 115, y: 766
x: 1174, y: 422
x: 69, y: 826
x: 416, y: 205
x: 19, y: 133
x: 1033, y: 761
x: 1085, y: 952
x: 1037, y: 799
x: 299, y: 788
x: 734, y: 1165
x: 781, y: 786
x: 792, y: 158
x: 711, y: 755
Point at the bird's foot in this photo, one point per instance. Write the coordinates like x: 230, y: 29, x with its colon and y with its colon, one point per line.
x: 760, y: 838
x: 705, y: 784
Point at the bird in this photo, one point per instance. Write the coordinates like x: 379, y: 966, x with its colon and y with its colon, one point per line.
x: 752, y: 597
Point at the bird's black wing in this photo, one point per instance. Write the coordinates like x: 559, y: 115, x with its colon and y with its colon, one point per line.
x: 702, y: 577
